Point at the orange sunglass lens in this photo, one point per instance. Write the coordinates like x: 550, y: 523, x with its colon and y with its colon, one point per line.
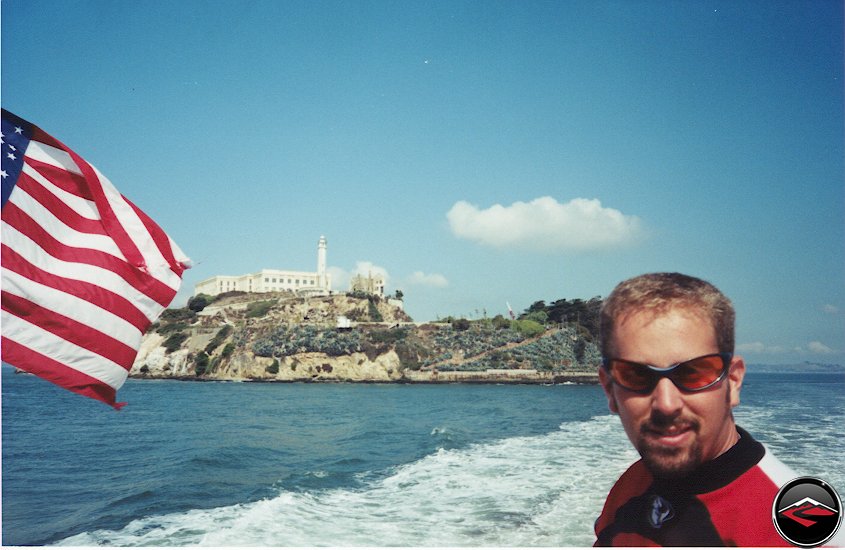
x: 631, y: 375
x: 699, y: 372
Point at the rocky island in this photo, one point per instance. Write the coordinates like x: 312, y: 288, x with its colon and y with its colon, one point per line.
x: 355, y: 337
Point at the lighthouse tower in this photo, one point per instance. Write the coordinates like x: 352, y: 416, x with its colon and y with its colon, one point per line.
x: 322, y: 279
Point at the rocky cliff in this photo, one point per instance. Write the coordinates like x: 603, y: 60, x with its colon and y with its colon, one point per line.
x: 286, y: 338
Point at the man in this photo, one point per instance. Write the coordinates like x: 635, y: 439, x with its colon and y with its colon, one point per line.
x: 670, y: 374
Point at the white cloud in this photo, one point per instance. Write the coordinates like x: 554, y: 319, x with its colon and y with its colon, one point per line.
x: 436, y: 280
x: 759, y: 347
x: 545, y: 224
x: 751, y: 347
x: 830, y: 308
x: 341, y: 277
x: 818, y: 347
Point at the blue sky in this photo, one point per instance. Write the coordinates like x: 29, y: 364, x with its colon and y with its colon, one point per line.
x: 477, y: 153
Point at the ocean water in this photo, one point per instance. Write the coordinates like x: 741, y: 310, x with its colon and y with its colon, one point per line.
x: 240, y: 464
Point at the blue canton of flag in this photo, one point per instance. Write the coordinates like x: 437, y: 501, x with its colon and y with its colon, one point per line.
x: 14, y: 139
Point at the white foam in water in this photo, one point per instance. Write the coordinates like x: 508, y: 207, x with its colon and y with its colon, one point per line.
x: 522, y: 491
x: 812, y: 449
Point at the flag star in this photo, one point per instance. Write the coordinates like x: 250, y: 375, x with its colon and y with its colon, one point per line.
x: 11, y: 156
x: 3, y: 174
x: 18, y: 130
x: 12, y: 147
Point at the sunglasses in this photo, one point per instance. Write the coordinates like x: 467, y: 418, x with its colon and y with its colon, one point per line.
x: 693, y: 375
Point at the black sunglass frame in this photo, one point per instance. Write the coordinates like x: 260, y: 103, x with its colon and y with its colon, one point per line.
x: 667, y: 372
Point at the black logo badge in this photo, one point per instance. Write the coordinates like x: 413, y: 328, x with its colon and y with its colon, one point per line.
x: 661, y: 512
x: 807, y: 512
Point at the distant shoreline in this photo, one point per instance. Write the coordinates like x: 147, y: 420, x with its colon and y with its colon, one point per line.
x: 449, y: 377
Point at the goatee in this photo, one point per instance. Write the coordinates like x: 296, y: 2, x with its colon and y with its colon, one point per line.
x: 669, y: 461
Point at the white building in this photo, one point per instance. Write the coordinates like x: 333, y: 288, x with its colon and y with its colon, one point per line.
x: 372, y: 284
x: 273, y: 280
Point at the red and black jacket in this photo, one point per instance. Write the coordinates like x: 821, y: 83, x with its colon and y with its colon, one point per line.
x: 725, y: 502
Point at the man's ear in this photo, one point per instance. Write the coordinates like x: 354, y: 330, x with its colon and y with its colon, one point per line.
x: 735, y: 377
x: 607, y: 386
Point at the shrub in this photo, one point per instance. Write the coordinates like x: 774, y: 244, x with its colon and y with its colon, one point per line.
x: 500, y: 323
x: 578, y: 348
x: 227, y: 351
x: 221, y: 335
x: 273, y: 368
x: 375, y: 315
x: 388, y: 336
x: 529, y: 328
x: 460, y: 324
x: 538, y: 316
x: 259, y: 309
x: 201, y: 363
x: 197, y: 303
x: 174, y: 342
x: 411, y: 354
x: 180, y: 314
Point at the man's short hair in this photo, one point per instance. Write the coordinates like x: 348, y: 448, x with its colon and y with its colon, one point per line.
x: 661, y: 292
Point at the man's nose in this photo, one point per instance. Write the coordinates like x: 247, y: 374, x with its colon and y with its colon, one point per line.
x: 667, y: 398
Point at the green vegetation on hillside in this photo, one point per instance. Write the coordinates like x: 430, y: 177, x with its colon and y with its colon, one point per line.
x: 555, y: 337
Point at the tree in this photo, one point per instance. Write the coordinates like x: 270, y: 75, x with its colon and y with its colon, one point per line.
x: 198, y: 303
x: 539, y: 305
x: 399, y: 294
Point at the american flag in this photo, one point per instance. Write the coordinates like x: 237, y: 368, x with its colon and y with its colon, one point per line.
x: 84, y: 271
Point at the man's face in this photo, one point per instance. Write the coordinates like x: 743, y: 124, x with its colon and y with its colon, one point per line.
x: 673, y: 430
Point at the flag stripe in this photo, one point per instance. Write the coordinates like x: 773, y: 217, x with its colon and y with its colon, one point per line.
x: 72, y: 306
x: 166, y: 247
x: 70, y: 330
x: 55, y: 226
x: 18, y: 219
x: 65, y: 174
x: 83, y: 360
x: 135, y: 231
x: 61, y: 209
x: 91, y: 292
x: 59, y: 373
x: 34, y: 254
x: 69, y: 187
x: 113, y: 226
x: 54, y: 150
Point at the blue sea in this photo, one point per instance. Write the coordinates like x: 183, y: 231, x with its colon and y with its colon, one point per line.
x: 246, y: 464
